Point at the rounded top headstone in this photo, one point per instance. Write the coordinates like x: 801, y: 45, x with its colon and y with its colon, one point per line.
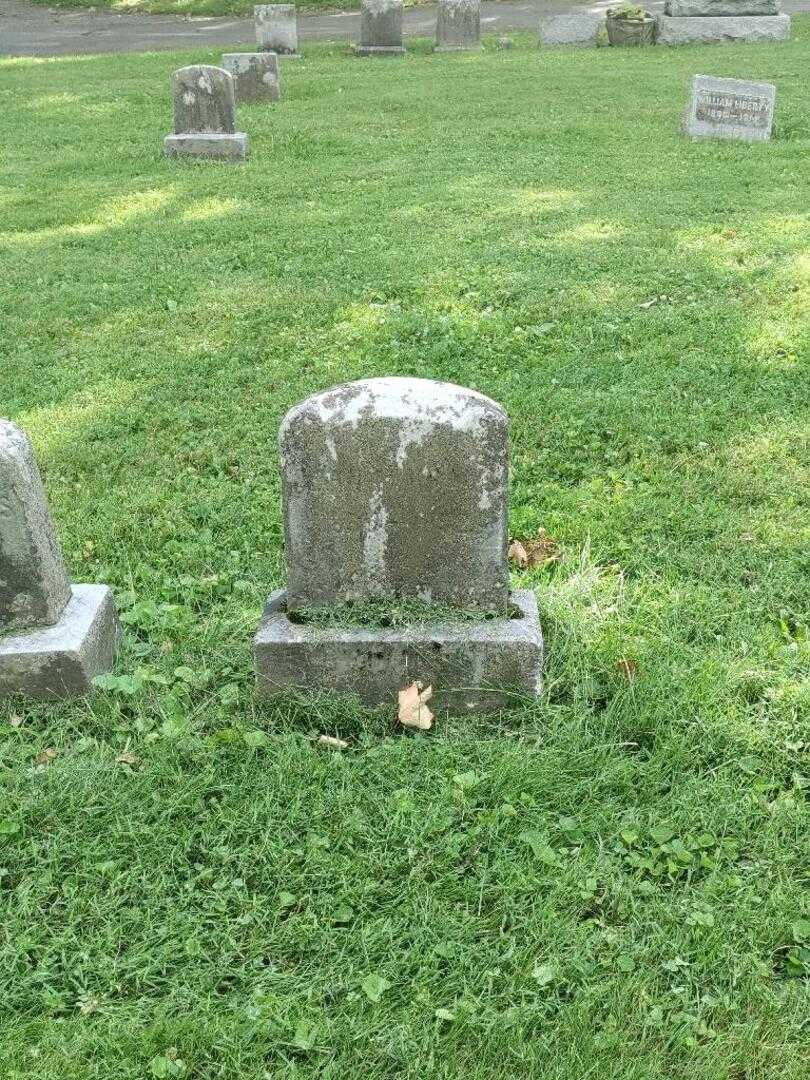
x: 203, y: 100
x: 396, y: 487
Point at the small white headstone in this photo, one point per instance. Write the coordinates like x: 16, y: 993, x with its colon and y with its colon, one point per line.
x: 730, y: 109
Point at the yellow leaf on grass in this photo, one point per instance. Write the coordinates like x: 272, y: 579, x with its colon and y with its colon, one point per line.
x: 518, y: 555
x: 47, y: 756
x: 128, y: 758
x: 628, y: 668
x: 333, y: 742
x: 413, y: 710
x: 535, y: 551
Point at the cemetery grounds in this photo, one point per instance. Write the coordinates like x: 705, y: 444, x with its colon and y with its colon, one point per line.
x: 608, y: 883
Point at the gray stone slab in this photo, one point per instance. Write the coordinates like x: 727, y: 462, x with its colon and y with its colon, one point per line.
x: 62, y: 660
x: 396, y: 488
x: 207, y: 147
x: 584, y: 30
x: 277, y: 28
x: 472, y: 666
x: 203, y: 100
x: 707, y: 30
x: 255, y: 75
x: 700, y: 8
x: 458, y: 25
x: 730, y: 109
x: 34, y: 586
x: 380, y: 28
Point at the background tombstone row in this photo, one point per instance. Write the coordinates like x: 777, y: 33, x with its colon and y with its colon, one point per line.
x: 458, y: 26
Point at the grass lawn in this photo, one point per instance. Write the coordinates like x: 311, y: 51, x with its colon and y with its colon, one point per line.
x: 608, y: 883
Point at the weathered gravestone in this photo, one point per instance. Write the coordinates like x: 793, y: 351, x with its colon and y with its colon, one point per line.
x: 396, y: 489
x: 697, y: 21
x: 688, y: 9
x: 582, y: 29
x: 458, y: 25
x: 205, y: 116
x: 380, y: 28
x: 255, y: 75
x: 730, y: 109
x: 54, y: 638
x: 277, y: 28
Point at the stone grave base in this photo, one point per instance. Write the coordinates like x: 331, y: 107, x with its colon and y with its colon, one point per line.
x: 207, y: 147
x: 62, y: 660
x: 472, y: 666
x: 379, y: 50
x: 689, y: 31
x: 280, y: 55
x: 459, y: 48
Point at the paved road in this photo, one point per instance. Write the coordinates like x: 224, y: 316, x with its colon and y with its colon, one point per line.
x: 29, y: 30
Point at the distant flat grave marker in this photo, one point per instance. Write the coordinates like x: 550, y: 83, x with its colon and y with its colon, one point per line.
x: 730, y: 109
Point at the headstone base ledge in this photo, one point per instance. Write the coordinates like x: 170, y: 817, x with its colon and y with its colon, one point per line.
x: 473, y: 666
x: 674, y: 30
x: 458, y: 48
x: 61, y: 661
x: 203, y: 146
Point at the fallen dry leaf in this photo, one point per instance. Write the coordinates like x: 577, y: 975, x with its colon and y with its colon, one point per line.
x: 15, y: 721
x: 332, y: 741
x: 649, y: 303
x: 628, y: 668
x: 47, y: 756
x: 413, y: 710
x: 128, y: 758
x: 538, y: 551
x: 517, y: 554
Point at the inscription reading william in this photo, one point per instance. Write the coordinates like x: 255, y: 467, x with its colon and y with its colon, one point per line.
x: 747, y: 110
